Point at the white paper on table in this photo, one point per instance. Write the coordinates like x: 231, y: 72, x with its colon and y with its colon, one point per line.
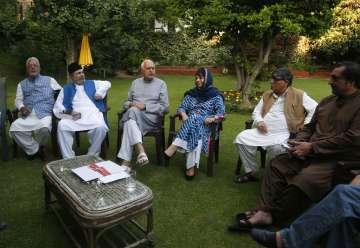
x: 87, y: 174
x: 112, y: 167
x: 114, y: 177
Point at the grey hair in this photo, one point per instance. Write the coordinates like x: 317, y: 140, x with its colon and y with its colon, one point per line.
x: 143, y: 63
x: 32, y: 58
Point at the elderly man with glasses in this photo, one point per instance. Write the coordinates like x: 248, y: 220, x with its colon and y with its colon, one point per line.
x: 282, y: 111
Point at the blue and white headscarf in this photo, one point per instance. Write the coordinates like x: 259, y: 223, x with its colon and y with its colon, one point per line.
x: 207, y: 91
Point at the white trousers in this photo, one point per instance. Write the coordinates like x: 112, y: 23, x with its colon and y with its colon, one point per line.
x: 248, y: 155
x: 192, y: 157
x: 30, y: 141
x: 131, y: 136
x: 66, y: 140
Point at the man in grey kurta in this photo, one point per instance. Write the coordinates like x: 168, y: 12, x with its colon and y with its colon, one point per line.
x: 294, y: 180
x: 147, y: 101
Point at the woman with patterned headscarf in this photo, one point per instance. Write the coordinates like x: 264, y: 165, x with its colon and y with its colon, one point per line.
x: 201, y: 106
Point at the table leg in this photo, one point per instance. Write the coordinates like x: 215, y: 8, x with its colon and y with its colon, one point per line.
x: 47, y: 195
x: 149, y: 226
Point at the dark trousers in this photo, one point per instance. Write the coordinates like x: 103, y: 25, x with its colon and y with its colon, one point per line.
x: 282, y: 200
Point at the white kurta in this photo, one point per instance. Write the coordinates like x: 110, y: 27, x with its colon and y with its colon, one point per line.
x: 31, y: 122
x: 91, y: 117
x: 275, y: 121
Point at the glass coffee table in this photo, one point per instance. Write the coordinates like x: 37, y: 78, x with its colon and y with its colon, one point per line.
x: 105, y: 213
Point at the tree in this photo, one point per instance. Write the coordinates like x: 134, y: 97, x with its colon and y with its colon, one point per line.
x: 119, y: 29
x: 249, y: 28
x: 341, y: 41
x: 10, y: 27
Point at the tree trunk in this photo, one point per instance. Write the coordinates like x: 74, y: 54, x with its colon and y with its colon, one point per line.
x: 263, y: 58
x: 70, y: 53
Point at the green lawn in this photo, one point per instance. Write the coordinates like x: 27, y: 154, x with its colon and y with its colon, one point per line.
x: 186, y: 214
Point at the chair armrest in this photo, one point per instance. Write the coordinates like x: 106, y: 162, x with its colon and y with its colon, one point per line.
x: 173, y: 116
x: 349, y: 165
x: 15, y: 114
x: 248, y: 124
x: 9, y: 116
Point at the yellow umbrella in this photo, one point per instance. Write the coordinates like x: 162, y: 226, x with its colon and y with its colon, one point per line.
x: 85, y: 58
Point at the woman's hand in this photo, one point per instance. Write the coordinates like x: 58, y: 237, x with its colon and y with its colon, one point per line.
x: 184, y: 116
x: 209, y: 120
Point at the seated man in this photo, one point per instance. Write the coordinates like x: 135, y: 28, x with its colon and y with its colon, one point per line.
x: 147, y: 101
x: 35, y: 101
x: 337, y: 216
x: 283, y: 110
x: 295, y: 180
x: 79, y: 106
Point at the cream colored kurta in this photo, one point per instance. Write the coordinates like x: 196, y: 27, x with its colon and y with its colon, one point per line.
x: 91, y: 117
x: 31, y: 122
x: 275, y: 120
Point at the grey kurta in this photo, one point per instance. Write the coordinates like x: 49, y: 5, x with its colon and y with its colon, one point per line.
x: 155, y: 97
x: 334, y: 132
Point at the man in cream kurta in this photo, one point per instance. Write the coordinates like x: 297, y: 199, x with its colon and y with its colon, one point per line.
x: 272, y: 128
x: 34, y: 100
x: 79, y: 106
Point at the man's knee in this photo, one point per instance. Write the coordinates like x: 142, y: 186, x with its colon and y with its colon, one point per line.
x: 44, y: 131
x: 101, y: 129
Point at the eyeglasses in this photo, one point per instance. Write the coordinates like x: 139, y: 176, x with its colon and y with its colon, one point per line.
x: 275, y: 80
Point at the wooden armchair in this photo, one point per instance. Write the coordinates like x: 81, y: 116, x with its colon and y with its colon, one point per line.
x: 158, y: 134
x: 55, y: 147
x: 104, y: 146
x: 248, y: 125
x: 214, y: 140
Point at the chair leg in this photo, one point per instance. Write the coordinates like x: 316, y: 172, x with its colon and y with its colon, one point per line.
x: 77, y: 137
x: 15, y: 149
x: 210, y: 160
x: 103, y: 149
x: 217, y: 150
x: 118, y: 142
x: 263, y: 157
x: 4, y: 144
x: 158, y: 139
x: 238, y: 166
x: 54, y: 142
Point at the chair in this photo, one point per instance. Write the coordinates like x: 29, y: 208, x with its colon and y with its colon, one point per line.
x: 248, y: 125
x: 214, y: 140
x: 5, y: 115
x: 55, y: 147
x: 105, y: 144
x: 158, y: 134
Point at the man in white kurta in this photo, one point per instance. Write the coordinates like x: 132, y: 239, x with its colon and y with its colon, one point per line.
x: 81, y: 112
x: 272, y: 130
x: 34, y: 100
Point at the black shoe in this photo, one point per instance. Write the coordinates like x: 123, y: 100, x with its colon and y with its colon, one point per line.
x: 31, y: 157
x: 264, y: 237
x: 189, y: 178
x: 166, y: 157
x: 3, y: 225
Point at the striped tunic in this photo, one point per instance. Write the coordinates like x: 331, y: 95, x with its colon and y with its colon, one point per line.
x: 194, y: 128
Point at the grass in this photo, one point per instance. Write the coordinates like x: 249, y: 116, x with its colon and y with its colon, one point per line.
x: 186, y: 214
